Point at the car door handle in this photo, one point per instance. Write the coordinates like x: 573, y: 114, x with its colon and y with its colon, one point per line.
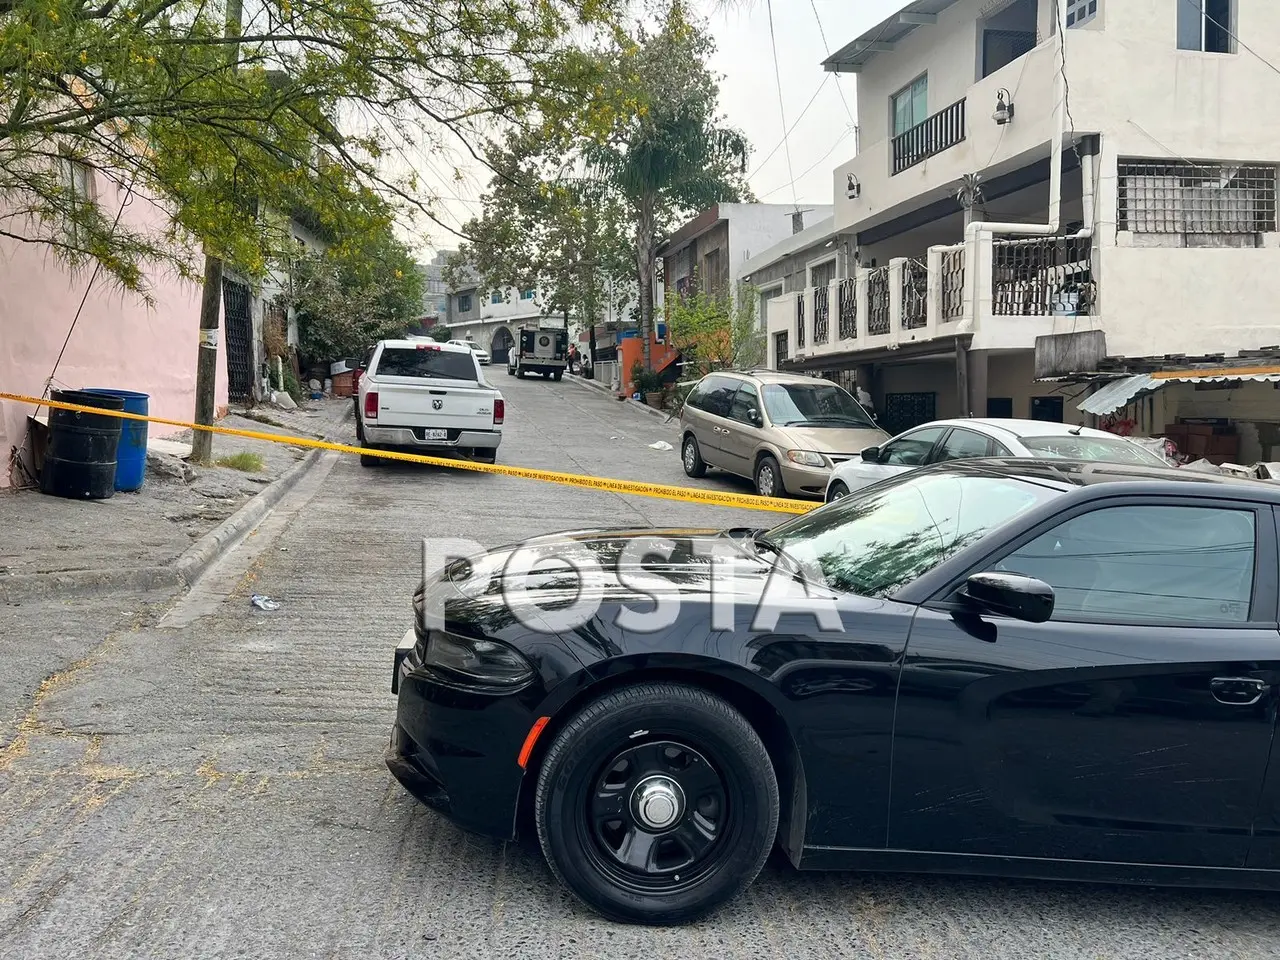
x: 1237, y: 691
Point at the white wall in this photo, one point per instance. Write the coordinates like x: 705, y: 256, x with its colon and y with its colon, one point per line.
x: 1127, y: 80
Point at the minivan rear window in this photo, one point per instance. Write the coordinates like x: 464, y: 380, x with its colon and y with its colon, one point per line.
x: 426, y: 363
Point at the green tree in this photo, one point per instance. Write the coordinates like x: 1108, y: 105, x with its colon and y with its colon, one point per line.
x: 175, y: 98
x: 712, y: 332
x: 355, y: 294
x: 668, y: 152
x: 543, y: 226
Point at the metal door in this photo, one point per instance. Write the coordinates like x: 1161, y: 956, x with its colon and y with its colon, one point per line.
x: 238, y: 323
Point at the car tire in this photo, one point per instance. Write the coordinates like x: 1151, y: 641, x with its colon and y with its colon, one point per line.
x: 557, y: 376
x: 768, y: 478
x: 359, y: 430
x: 519, y: 374
x: 691, y: 458
x: 546, y: 374
x: 369, y: 461
x: 837, y: 491
x: 485, y: 456
x: 657, y: 734
x: 511, y: 372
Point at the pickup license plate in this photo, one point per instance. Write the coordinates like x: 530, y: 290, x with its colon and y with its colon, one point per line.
x: 435, y: 433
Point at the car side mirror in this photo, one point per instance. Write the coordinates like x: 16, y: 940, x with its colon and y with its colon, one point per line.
x: 1009, y: 595
x: 871, y: 454
x: 754, y: 416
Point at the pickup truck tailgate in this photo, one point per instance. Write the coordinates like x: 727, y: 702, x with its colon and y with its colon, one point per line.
x: 434, y: 403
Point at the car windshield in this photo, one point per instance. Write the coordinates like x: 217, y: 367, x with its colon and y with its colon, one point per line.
x: 1100, y: 449
x: 813, y: 405
x: 426, y: 362
x: 881, y: 539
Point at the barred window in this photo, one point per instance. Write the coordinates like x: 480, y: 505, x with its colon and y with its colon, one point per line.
x: 1178, y: 197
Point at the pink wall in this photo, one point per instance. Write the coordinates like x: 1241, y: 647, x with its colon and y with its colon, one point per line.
x: 118, y: 341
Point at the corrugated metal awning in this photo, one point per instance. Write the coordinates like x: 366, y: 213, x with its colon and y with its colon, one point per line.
x: 1120, y: 393
x: 882, y: 37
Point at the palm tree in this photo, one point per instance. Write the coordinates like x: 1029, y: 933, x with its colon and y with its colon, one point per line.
x: 672, y: 154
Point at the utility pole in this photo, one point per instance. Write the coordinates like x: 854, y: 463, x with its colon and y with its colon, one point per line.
x: 210, y: 302
x: 970, y: 197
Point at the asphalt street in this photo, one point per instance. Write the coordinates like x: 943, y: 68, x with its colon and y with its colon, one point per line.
x: 205, y: 780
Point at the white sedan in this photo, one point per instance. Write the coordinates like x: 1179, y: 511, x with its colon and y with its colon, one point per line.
x: 482, y: 356
x: 965, y: 439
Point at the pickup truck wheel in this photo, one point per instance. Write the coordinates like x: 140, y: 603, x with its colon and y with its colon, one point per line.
x: 359, y: 430
x: 511, y: 371
x: 557, y: 375
x: 546, y: 374
x: 369, y: 461
x: 519, y: 373
x: 485, y: 456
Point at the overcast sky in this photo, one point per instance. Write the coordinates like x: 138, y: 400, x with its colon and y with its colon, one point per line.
x: 822, y: 139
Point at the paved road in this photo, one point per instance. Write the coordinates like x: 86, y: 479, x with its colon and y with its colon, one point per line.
x: 207, y: 781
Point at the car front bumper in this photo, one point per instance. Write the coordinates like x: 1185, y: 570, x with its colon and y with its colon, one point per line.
x: 406, y: 437
x: 810, y: 481
x: 457, y: 750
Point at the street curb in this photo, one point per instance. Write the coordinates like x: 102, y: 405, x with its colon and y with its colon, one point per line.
x: 182, y: 572
x: 198, y: 557
x: 631, y: 402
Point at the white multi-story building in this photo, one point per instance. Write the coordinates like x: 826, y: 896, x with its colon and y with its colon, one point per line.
x: 492, y: 318
x: 1051, y: 222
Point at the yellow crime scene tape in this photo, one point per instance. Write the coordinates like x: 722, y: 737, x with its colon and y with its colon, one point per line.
x: 661, y: 491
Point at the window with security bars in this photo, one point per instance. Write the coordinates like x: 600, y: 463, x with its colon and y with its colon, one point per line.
x: 1179, y: 197
x: 780, y: 348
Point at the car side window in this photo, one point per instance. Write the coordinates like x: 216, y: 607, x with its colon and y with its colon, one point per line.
x: 697, y: 395
x: 1146, y: 563
x: 719, y: 397
x: 744, y: 401
x: 998, y: 449
x: 911, y: 449
x: 962, y: 445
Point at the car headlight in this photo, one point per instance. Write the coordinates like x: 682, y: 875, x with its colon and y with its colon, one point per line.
x: 807, y: 457
x: 475, y: 662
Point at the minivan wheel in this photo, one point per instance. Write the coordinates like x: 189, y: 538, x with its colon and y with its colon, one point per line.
x: 657, y: 804
x: 769, y: 478
x: 694, y: 466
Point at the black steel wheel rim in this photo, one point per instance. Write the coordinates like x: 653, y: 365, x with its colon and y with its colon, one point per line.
x: 659, y: 817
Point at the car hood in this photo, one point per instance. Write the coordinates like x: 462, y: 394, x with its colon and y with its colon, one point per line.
x: 622, y: 564
x: 835, y: 440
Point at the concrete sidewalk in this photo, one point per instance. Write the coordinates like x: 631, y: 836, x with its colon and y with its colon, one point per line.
x: 166, y: 533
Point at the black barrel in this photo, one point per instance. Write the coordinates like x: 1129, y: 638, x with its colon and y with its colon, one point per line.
x: 81, y: 461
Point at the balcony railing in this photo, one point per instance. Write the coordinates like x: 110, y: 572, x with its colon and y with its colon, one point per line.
x: 878, y: 301
x: 800, y: 321
x: 780, y: 347
x: 915, y: 295
x: 848, y: 309
x: 821, y: 314
x: 952, y: 280
x: 931, y: 136
x: 1042, y: 277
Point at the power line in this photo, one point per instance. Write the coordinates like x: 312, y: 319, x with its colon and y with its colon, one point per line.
x: 795, y: 123
x: 841, y: 139
x: 777, y: 75
x: 827, y: 47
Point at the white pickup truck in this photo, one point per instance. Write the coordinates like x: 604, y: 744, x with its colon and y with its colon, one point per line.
x: 430, y: 397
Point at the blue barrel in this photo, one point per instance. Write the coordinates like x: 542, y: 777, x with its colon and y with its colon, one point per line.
x: 131, y: 459
x: 81, y: 460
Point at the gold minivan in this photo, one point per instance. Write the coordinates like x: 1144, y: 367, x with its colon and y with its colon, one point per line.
x: 784, y: 431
